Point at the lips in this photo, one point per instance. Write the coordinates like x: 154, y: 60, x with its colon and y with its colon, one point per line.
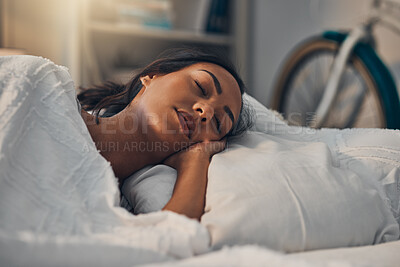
x: 186, y: 122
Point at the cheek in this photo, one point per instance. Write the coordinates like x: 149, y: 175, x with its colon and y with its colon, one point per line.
x: 147, y: 112
x: 173, y: 90
x: 159, y: 116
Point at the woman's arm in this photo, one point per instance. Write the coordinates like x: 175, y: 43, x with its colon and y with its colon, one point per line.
x: 191, y: 164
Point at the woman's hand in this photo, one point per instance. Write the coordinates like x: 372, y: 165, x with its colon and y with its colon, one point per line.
x: 192, y: 164
x: 199, y: 151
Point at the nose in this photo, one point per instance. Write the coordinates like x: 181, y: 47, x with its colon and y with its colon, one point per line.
x: 204, y: 110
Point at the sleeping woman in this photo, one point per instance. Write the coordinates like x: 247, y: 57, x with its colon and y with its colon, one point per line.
x: 59, y: 163
x: 178, y: 111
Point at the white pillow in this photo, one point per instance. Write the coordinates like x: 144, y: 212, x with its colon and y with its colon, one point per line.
x: 149, y: 189
x: 289, y: 196
x: 287, y: 190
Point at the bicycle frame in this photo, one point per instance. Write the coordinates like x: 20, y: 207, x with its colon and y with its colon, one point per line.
x: 382, y: 12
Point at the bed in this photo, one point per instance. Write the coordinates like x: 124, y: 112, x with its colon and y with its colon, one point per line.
x: 278, y: 195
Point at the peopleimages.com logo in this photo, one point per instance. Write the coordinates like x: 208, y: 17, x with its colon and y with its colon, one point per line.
x: 131, y: 123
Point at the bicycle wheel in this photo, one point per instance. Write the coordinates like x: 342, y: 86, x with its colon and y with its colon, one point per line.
x: 302, y: 83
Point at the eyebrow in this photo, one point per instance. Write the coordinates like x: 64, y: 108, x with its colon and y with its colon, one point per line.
x: 216, y: 82
x: 230, y: 114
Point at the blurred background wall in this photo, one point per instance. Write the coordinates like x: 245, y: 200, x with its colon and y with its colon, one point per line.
x: 261, y: 34
x: 47, y: 28
x: 278, y: 25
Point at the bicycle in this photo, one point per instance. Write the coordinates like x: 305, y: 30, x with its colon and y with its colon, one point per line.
x: 338, y: 80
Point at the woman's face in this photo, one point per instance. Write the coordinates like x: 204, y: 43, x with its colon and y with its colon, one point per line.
x: 198, y: 103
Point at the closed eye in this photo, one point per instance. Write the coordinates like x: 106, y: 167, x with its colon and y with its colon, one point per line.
x: 203, y: 91
x: 218, y: 124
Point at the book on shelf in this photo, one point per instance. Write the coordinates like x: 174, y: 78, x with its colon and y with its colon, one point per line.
x: 202, y: 15
x: 156, y: 13
x: 218, y: 17
x: 191, y: 15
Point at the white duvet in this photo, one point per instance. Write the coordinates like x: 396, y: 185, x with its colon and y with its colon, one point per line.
x: 59, y: 198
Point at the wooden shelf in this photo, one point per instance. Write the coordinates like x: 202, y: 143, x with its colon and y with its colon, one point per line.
x: 171, y: 35
x: 97, y: 57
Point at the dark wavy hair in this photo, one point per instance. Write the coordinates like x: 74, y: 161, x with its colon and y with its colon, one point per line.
x: 110, y: 98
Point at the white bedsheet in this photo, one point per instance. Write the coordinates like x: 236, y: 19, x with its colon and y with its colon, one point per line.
x: 382, y: 255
